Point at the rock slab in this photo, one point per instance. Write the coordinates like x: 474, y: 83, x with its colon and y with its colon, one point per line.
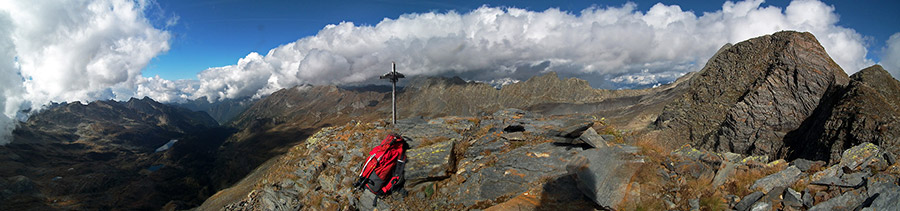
x: 604, y: 174
x: 430, y: 162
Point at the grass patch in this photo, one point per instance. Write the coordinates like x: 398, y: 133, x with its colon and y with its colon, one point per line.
x: 743, y: 178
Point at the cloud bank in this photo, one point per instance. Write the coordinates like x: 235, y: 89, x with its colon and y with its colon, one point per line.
x: 620, y: 43
x: 95, y: 50
x: 72, y: 51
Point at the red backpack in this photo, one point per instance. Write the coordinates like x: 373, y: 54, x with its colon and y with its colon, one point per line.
x: 383, y: 171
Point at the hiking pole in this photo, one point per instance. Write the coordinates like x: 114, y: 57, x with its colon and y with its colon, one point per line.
x: 393, y: 76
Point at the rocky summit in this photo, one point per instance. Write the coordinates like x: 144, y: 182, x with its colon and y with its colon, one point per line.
x: 752, y: 95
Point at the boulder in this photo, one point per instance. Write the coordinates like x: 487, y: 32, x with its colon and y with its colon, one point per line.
x: 805, y: 165
x: 593, y: 139
x: 775, y: 196
x: 574, y: 127
x: 725, y: 172
x: 885, y: 201
x: 604, y: 174
x: 429, y: 163
x: 748, y: 201
x: 792, y: 198
x: 861, y: 156
x: 808, y: 198
x: 847, y: 201
x: 852, y: 180
x: 782, y: 178
x: 881, y: 183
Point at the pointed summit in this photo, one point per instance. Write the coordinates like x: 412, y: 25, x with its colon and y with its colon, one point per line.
x: 749, y: 96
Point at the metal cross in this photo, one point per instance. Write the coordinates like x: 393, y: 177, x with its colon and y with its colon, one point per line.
x: 393, y: 76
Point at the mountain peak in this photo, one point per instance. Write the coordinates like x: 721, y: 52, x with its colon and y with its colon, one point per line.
x: 749, y: 96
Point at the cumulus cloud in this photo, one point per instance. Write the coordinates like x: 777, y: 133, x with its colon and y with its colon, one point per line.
x: 621, y: 43
x: 10, y: 82
x: 891, y: 59
x: 56, y: 51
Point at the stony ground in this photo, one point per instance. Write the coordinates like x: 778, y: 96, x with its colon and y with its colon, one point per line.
x: 517, y: 160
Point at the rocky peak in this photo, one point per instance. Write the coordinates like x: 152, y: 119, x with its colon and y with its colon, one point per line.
x: 880, y: 80
x: 749, y: 96
x: 867, y: 110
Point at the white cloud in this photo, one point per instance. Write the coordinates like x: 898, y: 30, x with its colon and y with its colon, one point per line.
x: 73, y: 51
x: 496, y: 42
x: 891, y: 59
x: 10, y: 82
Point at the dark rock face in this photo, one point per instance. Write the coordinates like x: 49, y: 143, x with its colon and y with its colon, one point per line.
x: 867, y: 110
x: 749, y: 96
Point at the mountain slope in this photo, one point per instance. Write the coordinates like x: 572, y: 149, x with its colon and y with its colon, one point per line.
x: 107, y: 155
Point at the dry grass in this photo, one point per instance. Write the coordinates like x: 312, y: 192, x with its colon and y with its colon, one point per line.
x: 743, y: 178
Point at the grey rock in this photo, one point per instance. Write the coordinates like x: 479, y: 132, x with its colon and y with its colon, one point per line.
x: 886, y: 201
x: 574, y: 128
x: 881, y: 183
x: 774, y: 196
x: 603, y: 174
x: 792, y: 198
x: 512, y: 173
x: 860, y: 156
x: 782, y: 178
x: 692, y: 168
x: 746, y: 202
x: 847, y: 201
x: 732, y: 157
x: 804, y: 164
x: 416, y: 134
x: 367, y: 202
x: 485, y: 145
x: 761, y: 206
x: 725, y: 172
x: 593, y: 139
x: 852, y: 180
x: 430, y: 162
x: 807, y: 199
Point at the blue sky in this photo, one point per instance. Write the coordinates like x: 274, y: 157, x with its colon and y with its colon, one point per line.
x: 212, y: 33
